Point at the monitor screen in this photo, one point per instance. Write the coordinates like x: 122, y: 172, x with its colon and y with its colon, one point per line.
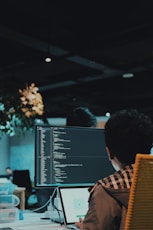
x: 69, y: 156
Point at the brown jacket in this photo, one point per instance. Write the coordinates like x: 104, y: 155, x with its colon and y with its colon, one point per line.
x: 107, y: 209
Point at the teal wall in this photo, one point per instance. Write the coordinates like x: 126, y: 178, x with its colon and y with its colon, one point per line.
x: 18, y: 153
x: 22, y: 153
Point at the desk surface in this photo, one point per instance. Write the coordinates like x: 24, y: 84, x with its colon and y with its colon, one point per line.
x: 32, y: 221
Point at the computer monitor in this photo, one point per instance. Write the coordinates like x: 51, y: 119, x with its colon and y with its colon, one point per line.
x: 69, y: 156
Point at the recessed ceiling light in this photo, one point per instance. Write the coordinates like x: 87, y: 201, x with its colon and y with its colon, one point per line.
x: 107, y: 114
x: 48, y: 59
x: 127, y: 75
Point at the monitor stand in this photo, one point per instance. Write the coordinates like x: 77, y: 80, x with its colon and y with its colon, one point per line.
x: 54, y: 210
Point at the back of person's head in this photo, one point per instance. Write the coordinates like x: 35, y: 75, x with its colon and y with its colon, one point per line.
x: 8, y: 170
x: 83, y: 117
x: 128, y: 132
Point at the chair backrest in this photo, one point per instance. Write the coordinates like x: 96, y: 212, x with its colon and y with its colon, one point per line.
x: 22, y: 179
x: 140, y: 206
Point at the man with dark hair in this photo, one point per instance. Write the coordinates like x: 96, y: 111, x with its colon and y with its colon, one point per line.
x: 9, y: 172
x: 127, y: 133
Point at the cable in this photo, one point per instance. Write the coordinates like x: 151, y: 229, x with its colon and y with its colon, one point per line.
x: 50, y: 200
x: 58, y: 211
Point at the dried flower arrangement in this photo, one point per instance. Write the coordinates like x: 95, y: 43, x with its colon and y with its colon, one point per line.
x: 18, y: 113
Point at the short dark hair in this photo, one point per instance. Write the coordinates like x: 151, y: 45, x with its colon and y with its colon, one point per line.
x: 8, y: 167
x: 81, y: 116
x: 128, y: 132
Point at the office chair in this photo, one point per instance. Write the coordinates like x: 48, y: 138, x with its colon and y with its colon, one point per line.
x: 22, y: 179
x: 140, y: 205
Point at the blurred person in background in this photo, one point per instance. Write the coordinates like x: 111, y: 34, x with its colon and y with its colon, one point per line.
x: 81, y: 117
x: 9, y: 173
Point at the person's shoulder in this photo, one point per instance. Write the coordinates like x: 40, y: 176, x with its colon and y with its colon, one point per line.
x: 99, y: 184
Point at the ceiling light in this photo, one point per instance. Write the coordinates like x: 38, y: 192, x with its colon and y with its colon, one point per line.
x: 48, y: 59
x: 48, y: 54
x: 107, y: 114
x: 127, y: 75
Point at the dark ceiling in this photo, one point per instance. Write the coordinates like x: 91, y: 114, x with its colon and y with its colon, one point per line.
x: 91, y: 44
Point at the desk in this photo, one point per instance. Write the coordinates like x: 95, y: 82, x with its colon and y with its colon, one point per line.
x: 32, y: 221
x: 20, y: 192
